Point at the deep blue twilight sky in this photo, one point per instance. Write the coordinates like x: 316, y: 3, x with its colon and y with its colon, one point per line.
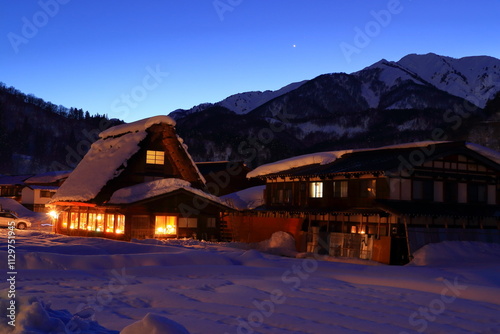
x: 93, y: 54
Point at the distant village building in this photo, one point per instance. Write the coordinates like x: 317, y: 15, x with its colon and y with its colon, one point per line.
x: 39, y: 189
x: 378, y: 204
x: 138, y: 181
x: 11, y: 186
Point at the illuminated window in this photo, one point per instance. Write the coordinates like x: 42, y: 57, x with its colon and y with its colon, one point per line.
x: 83, y: 221
x: 73, y: 222
x: 99, y: 223
x: 165, y: 225
x: 92, y: 222
x: 155, y: 157
x: 64, y: 219
x: 317, y: 189
x: 110, y: 223
x: 368, y: 188
x: 188, y: 222
x: 211, y: 222
x: 120, y: 224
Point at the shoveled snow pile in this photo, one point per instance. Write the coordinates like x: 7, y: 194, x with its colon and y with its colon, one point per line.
x: 155, y: 324
x: 246, y: 199
x: 280, y: 243
x: 451, y: 253
x: 33, y: 316
x: 137, y: 126
x: 154, y: 188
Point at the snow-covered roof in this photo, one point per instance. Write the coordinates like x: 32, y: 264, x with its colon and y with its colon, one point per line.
x: 49, y: 177
x: 246, y: 199
x: 155, y: 188
x: 487, y: 152
x: 137, y: 126
x: 322, y: 158
x: 8, y: 180
x: 106, y: 159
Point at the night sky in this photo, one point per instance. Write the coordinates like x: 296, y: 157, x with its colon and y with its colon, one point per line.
x: 135, y: 59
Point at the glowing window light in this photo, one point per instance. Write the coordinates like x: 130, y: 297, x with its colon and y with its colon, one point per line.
x: 165, y: 225
x: 120, y: 224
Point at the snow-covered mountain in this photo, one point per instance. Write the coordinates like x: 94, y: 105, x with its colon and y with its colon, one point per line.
x: 241, y: 103
x: 475, y: 79
x: 386, y: 103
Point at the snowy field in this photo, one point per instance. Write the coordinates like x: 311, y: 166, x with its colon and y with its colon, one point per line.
x: 90, y: 285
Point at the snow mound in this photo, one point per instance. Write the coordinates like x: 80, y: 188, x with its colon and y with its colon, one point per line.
x: 280, y: 243
x: 137, y: 126
x: 450, y: 253
x: 37, y: 317
x: 155, y: 324
x: 246, y: 199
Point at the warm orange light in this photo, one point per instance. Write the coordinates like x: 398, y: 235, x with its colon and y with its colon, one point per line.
x: 118, y: 231
x: 53, y: 214
x: 72, y: 226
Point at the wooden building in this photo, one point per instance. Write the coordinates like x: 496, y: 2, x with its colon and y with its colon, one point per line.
x: 39, y: 189
x: 379, y: 204
x: 138, y: 181
x: 226, y: 177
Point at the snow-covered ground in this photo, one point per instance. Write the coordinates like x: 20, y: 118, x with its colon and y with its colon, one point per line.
x: 199, y: 287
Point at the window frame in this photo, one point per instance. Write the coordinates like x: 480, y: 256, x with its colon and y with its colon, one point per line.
x: 154, y: 157
x: 316, y: 189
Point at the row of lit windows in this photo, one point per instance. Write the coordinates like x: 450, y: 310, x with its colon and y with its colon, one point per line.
x: 341, y: 189
x: 420, y: 190
x: 167, y: 225
x: 94, y: 222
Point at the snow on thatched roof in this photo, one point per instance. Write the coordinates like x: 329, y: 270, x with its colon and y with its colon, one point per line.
x: 155, y: 188
x: 137, y: 126
x: 104, y: 161
x: 107, y: 158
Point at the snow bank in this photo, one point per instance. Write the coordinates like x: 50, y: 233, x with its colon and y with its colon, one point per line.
x: 155, y: 324
x: 150, y: 189
x: 246, y: 199
x: 137, y: 126
x: 36, y: 317
x: 280, y: 243
x: 104, y: 161
x: 323, y: 158
x: 451, y: 253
